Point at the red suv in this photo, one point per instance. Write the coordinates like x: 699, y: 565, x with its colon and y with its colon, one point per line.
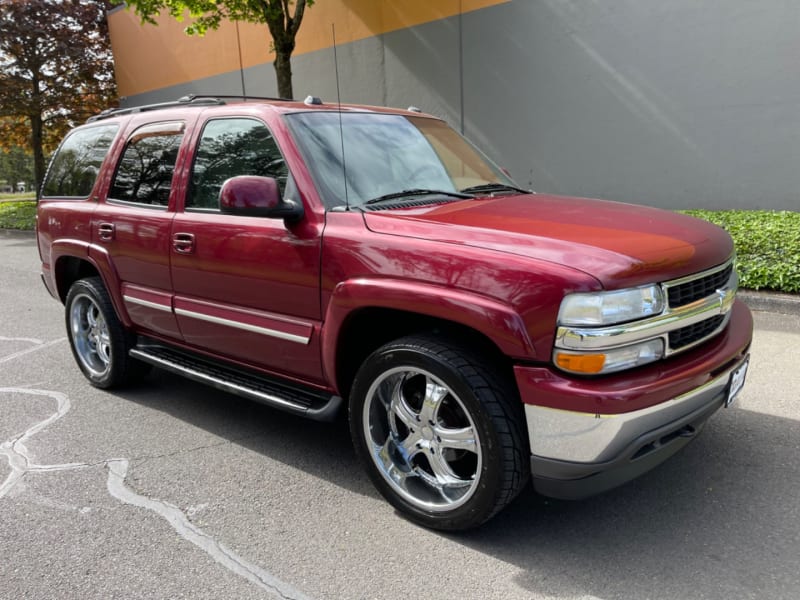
x: 325, y: 259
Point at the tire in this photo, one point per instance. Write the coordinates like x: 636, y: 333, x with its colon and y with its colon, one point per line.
x: 440, y: 433
x: 99, y: 342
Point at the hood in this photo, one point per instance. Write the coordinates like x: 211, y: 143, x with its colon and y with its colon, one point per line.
x: 621, y: 245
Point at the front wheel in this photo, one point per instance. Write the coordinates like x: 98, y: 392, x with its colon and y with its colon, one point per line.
x: 98, y: 340
x: 440, y: 432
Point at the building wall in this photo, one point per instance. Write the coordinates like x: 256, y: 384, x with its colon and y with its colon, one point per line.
x: 679, y: 104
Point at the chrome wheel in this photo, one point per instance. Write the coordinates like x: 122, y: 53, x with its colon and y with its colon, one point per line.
x: 90, y: 336
x: 422, y: 439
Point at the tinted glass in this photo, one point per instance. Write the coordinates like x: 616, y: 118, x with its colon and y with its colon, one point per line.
x: 231, y: 147
x: 144, y: 174
x: 76, y: 164
x: 385, y: 154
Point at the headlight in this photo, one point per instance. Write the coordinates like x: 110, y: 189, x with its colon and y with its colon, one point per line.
x: 609, y: 308
x: 609, y: 361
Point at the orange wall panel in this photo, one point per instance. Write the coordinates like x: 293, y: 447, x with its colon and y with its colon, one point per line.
x: 149, y: 57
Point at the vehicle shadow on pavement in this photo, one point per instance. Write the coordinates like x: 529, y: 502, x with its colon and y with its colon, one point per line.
x: 721, y: 519
x: 321, y: 449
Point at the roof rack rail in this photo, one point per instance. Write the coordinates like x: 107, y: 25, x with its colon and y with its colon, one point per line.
x: 242, y: 97
x: 182, y: 101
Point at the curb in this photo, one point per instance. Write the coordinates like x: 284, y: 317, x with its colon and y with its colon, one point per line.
x: 24, y: 233
x: 785, y: 304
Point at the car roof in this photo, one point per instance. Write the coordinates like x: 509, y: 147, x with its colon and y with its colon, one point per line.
x: 283, y: 106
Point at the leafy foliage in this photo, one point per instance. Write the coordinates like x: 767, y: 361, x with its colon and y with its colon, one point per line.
x: 18, y: 215
x: 56, y: 69
x: 208, y: 14
x: 16, y: 165
x: 767, y: 246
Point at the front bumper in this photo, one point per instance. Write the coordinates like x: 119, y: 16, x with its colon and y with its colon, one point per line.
x: 615, y: 429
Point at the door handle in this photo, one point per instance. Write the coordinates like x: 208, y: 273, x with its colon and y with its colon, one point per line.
x: 105, y: 231
x: 183, y: 243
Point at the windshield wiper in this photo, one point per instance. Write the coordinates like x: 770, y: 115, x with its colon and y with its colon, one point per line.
x: 418, y: 192
x: 494, y: 187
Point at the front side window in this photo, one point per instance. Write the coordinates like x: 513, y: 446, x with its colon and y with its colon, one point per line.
x: 231, y: 147
x: 75, y: 166
x: 144, y: 173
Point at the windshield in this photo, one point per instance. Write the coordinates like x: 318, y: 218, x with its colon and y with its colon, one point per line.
x: 387, y: 154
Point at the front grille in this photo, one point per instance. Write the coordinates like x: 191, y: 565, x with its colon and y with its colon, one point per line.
x: 690, y: 334
x: 698, y: 309
x: 690, y: 291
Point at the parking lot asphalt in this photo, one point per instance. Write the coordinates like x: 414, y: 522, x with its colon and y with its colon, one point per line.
x: 174, y: 490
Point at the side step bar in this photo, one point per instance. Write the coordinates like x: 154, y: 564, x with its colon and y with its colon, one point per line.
x: 306, y: 402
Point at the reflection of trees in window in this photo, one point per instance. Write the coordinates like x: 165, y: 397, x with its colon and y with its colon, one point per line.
x: 76, y: 164
x: 231, y: 147
x: 144, y: 174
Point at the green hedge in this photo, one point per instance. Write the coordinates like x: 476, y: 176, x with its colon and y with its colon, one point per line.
x: 18, y: 215
x: 767, y: 245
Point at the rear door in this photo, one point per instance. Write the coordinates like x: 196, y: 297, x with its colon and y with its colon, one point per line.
x: 133, y: 225
x: 246, y: 287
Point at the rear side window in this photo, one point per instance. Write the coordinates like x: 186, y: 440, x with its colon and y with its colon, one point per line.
x: 77, y: 161
x: 231, y: 147
x: 144, y: 173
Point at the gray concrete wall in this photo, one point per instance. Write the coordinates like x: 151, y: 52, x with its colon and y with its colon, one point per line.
x: 678, y: 104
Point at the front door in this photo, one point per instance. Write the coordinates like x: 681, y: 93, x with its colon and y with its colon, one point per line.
x: 246, y: 288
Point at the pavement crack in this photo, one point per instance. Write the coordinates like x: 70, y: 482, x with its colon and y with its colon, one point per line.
x: 143, y: 458
x: 21, y: 463
x: 38, y: 346
x: 117, y: 471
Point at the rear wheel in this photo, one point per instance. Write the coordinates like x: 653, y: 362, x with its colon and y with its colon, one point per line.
x: 98, y: 340
x: 440, y: 432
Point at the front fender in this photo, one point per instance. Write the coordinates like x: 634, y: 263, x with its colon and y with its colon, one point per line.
x: 495, y: 320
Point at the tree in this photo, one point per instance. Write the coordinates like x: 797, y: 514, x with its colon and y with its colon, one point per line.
x: 16, y: 166
x: 208, y: 14
x: 56, y: 69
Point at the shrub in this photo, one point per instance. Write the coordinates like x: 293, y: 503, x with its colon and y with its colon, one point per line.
x: 767, y: 246
x: 17, y: 215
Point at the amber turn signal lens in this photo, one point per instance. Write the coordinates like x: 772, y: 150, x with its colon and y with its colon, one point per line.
x: 590, y: 364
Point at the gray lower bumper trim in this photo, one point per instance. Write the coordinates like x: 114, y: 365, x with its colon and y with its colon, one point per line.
x: 589, y: 438
x: 573, y: 481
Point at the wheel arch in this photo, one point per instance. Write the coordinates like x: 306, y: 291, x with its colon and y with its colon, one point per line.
x: 69, y: 266
x: 364, y: 315
x: 69, y: 269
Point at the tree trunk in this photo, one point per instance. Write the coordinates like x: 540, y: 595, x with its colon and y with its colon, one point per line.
x: 38, y: 152
x: 283, y: 72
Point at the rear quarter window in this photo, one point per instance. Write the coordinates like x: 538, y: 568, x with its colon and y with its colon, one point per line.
x: 76, y: 164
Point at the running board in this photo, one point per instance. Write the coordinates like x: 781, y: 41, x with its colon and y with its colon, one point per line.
x: 306, y: 402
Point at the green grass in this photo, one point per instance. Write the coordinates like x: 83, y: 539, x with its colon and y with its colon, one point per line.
x: 18, y: 215
x: 767, y: 242
x: 19, y: 197
x: 767, y: 246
